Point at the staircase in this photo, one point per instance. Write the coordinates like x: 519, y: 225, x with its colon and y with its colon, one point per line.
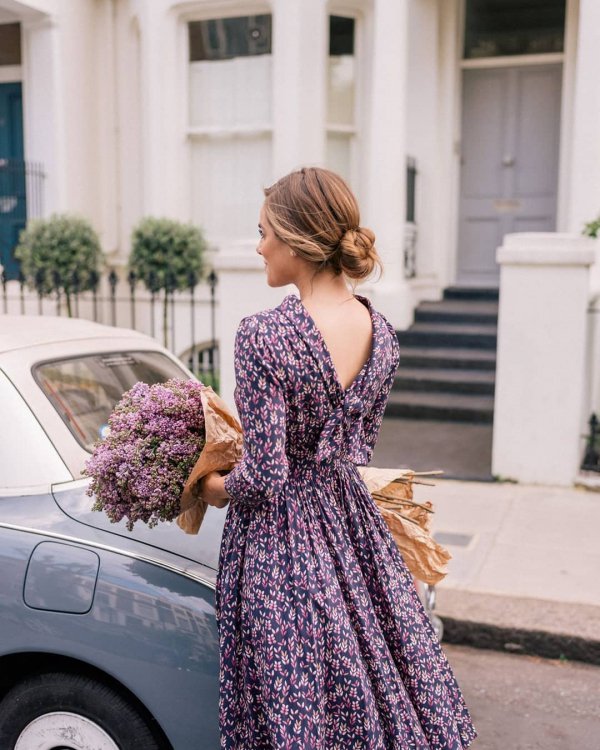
x: 448, y: 359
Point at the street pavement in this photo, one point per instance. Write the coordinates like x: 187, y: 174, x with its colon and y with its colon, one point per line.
x: 462, y: 450
x: 528, y: 703
x: 525, y: 571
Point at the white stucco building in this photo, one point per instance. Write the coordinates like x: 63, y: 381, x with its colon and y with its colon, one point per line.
x: 187, y: 109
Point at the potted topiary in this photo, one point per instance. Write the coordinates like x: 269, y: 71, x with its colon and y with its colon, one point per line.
x: 60, y: 254
x: 165, y: 255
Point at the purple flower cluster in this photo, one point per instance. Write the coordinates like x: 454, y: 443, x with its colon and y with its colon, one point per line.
x: 156, y: 435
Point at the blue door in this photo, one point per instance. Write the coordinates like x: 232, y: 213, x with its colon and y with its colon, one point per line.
x: 13, y: 199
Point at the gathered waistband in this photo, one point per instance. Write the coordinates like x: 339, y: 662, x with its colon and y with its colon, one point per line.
x: 309, y: 463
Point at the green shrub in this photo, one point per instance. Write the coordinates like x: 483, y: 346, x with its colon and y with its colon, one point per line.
x: 60, y: 254
x: 165, y: 252
x: 592, y: 228
x: 167, y: 256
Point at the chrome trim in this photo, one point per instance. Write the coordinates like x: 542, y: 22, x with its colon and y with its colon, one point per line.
x: 117, y: 550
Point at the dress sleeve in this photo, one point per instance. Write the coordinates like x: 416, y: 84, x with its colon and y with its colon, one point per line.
x: 374, y: 417
x: 260, y: 399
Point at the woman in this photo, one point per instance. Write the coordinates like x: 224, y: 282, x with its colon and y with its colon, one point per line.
x: 324, y: 641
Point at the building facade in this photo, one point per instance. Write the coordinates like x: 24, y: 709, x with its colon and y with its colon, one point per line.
x: 188, y: 109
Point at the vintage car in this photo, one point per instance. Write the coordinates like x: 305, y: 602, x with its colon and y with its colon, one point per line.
x: 108, y: 638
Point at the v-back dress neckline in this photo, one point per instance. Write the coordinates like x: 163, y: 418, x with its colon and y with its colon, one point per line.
x: 326, y: 354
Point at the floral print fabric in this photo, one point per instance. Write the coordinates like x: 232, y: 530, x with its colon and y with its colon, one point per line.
x: 324, y: 642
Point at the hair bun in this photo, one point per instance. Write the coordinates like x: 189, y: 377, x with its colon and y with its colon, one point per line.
x: 308, y: 209
x: 358, y: 255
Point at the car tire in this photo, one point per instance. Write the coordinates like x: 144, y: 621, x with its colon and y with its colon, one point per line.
x: 73, y: 712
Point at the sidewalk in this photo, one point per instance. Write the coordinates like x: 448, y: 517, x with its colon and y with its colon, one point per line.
x: 525, y: 573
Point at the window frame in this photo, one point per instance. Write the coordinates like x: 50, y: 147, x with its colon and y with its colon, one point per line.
x: 355, y: 130
x: 208, y: 12
x: 53, y: 360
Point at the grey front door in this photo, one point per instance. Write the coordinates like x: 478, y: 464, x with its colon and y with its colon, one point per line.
x: 509, y: 162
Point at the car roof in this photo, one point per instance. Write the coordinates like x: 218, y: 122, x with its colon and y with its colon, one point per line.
x: 24, y: 331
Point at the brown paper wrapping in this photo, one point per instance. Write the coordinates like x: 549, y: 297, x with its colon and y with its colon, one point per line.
x: 392, y: 490
x: 222, y: 451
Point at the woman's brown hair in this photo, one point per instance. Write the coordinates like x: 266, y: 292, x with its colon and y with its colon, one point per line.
x: 315, y: 213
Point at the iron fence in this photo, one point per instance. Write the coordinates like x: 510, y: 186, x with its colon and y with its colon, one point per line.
x: 410, y: 234
x: 182, y: 320
x: 591, y: 458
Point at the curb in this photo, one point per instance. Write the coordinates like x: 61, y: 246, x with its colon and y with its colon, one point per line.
x: 520, y: 640
x: 537, y: 627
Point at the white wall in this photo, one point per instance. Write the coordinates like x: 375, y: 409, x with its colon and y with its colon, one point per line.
x: 542, y: 357
x: 583, y: 178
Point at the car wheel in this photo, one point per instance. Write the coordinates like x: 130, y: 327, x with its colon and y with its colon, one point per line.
x: 65, y: 711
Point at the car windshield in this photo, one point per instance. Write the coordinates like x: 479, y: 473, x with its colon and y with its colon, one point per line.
x: 84, y: 390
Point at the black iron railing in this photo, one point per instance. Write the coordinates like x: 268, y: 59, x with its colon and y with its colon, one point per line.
x: 171, y: 316
x: 410, y: 233
x: 591, y: 459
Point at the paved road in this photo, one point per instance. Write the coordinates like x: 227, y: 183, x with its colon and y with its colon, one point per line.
x: 528, y: 703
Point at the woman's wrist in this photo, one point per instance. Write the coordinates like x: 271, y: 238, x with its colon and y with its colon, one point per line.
x: 213, y: 491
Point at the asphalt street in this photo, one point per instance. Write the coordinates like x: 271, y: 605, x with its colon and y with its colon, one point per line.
x: 528, y: 703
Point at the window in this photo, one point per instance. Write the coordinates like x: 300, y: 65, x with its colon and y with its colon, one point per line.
x: 85, y: 390
x: 341, y: 94
x: 513, y: 27
x: 10, y: 44
x: 230, y: 122
x: 226, y: 38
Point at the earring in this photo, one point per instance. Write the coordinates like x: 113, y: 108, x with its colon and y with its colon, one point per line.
x: 292, y: 252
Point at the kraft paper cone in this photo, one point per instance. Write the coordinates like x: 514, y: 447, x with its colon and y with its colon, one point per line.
x: 222, y: 451
x: 408, y: 521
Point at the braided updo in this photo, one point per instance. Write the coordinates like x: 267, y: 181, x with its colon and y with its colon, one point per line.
x: 314, y: 212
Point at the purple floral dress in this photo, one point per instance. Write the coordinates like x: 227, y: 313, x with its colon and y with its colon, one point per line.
x: 324, y: 642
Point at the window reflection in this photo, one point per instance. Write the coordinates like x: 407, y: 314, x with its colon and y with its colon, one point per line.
x: 341, y: 95
x: 513, y: 27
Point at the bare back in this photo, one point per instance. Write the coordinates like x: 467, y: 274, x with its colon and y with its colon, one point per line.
x: 347, y: 331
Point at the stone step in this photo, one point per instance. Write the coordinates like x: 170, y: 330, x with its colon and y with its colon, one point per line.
x: 446, y: 358
x: 449, y: 335
x: 457, y: 311
x: 441, y: 406
x: 445, y: 381
x: 471, y: 293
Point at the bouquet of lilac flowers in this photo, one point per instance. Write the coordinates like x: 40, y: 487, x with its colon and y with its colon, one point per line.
x: 156, y: 435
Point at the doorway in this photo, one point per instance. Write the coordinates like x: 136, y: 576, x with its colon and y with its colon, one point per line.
x: 13, y: 208
x: 509, y: 161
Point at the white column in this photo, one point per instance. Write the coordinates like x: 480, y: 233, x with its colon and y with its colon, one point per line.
x: 162, y: 121
x: 584, y: 193
x: 385, y: 155
x: 541, y: 369
x: 300, y: 39
x: 42, y: 110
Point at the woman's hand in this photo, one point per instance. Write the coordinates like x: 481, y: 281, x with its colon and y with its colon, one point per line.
x: 212, y: 489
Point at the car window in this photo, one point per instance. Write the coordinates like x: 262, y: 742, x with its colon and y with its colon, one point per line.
x: 27, y: 457
x: 84, y: 390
